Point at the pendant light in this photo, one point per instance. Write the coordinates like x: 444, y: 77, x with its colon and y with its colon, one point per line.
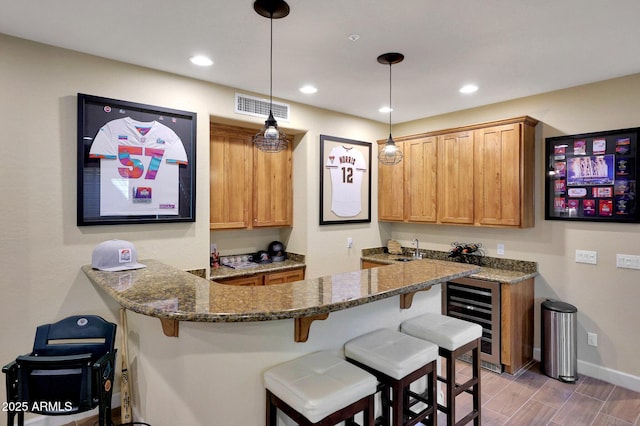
x: 270, y: 138
x: 390, y: 154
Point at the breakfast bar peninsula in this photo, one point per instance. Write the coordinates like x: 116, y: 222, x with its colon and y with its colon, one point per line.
x: 172, y: 295
x: 228, y: 335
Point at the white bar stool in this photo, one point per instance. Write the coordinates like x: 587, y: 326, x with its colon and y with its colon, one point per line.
x: 398, y: 360
x: 455, y: 337
x: 319, y: 389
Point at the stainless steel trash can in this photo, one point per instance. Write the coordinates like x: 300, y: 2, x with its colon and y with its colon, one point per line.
x: 559, y: 340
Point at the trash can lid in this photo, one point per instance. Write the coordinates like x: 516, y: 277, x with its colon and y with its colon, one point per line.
x: 558, y: 306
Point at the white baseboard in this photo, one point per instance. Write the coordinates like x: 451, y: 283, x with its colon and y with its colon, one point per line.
x: 599, y: 372
x: 63, y: 420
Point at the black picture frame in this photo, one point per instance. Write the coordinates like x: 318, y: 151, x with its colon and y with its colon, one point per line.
x: 353, y: 206
x: 593, y: 177
x: 94, y: 112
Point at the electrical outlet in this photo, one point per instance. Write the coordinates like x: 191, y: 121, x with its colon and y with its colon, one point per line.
x: 349, y: 242
x: 586, y: 256
x: 592, y: 339
x: 501, y: 249
x: 627, y: 261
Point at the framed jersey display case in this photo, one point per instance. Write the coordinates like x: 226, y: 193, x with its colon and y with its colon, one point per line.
x: 345, y: 181
x: 136, y: 163
x: 593, y: 176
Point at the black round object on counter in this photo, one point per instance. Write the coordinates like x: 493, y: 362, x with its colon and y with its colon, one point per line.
x: 277, y: 251
x: 261, y: 257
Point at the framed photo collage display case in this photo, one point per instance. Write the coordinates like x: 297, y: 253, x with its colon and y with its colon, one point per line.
x: 592, y: 177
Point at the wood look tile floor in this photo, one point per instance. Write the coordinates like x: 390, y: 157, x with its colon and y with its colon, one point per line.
x: 532, y: 398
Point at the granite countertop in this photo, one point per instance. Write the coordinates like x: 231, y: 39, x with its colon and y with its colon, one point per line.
x: 506, y: 271
x: 293, y: 261
x: 165, y: 292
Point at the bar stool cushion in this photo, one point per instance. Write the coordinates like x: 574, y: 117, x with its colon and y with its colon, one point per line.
x: 391, y: 352
x: 319, y: 384
x: 447, y: 332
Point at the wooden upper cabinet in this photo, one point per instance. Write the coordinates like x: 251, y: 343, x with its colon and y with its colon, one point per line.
x: 248, y: 188
x: 391, y: 189
x: 456, y: 178
x: 480, y: 175
x: 420, y: 179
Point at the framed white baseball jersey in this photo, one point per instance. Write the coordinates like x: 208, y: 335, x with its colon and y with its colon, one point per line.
x: 139, y: 168
x: 346, y: 166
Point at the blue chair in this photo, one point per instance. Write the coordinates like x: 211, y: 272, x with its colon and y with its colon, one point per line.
x: 70, y: 370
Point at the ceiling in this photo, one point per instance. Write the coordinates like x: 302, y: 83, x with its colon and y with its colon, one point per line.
x: 509, y: 48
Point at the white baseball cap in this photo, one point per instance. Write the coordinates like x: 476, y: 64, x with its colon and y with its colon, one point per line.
x: 115, y: 255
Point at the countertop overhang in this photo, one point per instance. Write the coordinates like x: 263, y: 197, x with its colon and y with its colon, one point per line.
x: 173, y: 295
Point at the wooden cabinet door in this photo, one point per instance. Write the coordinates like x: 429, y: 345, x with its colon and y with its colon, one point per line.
x: 517, y: 301
x: 367, y: 264
x: 272, y: 188
x: 284, y: 276
x: 391, y: 190
x: 456, y: 178
x: 247, y: 280
x: 498, y: 184
x: 230, y: 178
x: 420, y: 179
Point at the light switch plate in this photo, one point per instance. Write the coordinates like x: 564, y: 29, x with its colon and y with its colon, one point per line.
x: 627, y: 261
x: 587, y: 256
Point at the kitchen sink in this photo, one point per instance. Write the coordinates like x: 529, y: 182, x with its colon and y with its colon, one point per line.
x: 404, y: 259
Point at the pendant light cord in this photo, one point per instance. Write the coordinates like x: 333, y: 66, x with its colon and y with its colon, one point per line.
x: 271, y: 66
x: 390, y: 108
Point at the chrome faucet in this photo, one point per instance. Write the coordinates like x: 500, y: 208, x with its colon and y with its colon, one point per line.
x: 417, y: 252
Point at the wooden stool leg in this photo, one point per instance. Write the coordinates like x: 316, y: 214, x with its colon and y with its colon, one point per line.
x: 386, y: 406
x: 451, y: 390
x: 432, y: 387
x: 476, y: 387
x: 271, y: 411
x: 397, y: 407
x: 369, y: 412
x: 405, y: 402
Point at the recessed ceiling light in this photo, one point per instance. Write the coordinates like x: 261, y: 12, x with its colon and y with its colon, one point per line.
x: 201, y: 60
x: 385, y: 110
x: 308, y: 89
x: 468, y: 88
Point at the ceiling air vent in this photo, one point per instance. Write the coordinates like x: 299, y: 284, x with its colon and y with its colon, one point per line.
x: 258, y: 107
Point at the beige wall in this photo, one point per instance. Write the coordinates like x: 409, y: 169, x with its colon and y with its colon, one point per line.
x: 203, y: 372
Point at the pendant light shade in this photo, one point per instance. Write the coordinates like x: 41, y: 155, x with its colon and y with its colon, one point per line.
x: 390, y: 154
x: 270, y: 138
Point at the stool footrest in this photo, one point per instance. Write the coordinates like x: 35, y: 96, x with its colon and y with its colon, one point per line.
x: 466, y: 419
x: 415, y: 398
x: 462, y: 387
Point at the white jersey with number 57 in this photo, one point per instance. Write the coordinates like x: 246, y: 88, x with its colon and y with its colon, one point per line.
x: 139, y: 168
